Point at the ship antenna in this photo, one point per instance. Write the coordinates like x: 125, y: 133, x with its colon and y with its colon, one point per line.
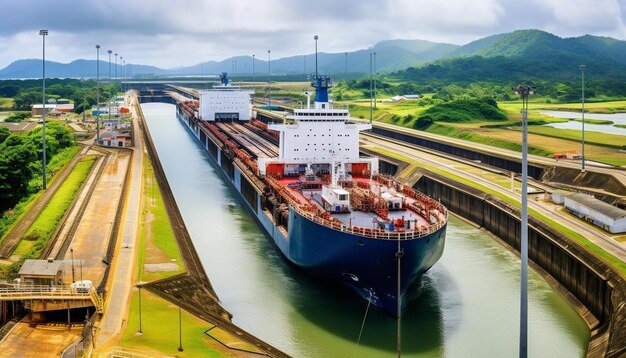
x: 316, y: 38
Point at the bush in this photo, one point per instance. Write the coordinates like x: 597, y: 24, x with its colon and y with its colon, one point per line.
x: 465, y: 110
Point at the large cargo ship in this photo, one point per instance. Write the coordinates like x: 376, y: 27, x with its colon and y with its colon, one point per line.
x: 326, y: 208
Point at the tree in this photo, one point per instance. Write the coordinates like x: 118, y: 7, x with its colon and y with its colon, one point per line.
x: 4, y: 134
x: 25, y: 100
x: 15, y: 170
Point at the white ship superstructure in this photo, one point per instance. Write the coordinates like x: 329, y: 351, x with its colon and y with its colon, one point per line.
x: 225, y: 102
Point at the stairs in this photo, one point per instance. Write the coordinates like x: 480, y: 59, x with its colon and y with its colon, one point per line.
x: 97, y: 300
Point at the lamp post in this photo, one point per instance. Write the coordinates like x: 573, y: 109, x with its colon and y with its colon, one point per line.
x: 582, y: 74
x: 116, y: 67
x: 97, y: 93
x: 371, y: 96
x: 43, y: 34
x: 72, y: 254
x: 346, y: 66
x: 269, y: 80
x: 109, y: 51
x: 122, y: 73
x: 140, y: 330
x: 180, y: 329
x: 375, y: 79
x: 524, y: 92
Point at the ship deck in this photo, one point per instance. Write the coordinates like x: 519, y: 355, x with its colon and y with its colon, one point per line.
x: 252, y: 142
x: 357, y: 217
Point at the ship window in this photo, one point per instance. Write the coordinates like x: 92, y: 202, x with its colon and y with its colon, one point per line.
x: 342, y: 197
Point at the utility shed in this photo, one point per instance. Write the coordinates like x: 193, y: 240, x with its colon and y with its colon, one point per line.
x: 42, y: 272
x: 606, y: 216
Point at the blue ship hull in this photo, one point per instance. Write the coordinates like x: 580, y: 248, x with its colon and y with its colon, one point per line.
x: 366, y: 265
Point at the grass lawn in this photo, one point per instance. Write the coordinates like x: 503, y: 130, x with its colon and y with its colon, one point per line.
x: 158, y: 244
x: 45, y: 224
x: 6, y: 103
x: 56, y: 165
x: 160, y: 318
x: 610, y: 259
x: 159, y: 321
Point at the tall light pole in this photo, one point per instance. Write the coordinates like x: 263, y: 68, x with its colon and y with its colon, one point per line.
x: 122, y: 73
x: 97, y: 93
x: 346, y: 65
x: 180, y: 329
x: 524, y: 92
x: 140, y: 328
x: 109, y: 51
x: 115, y: 67
x: 269, y: 81
x: 72, y: 255
x: 43, y: 34
x: 582, y: 74
x: 315, y: 38
x: 371, y: 87
x: 375, y: 79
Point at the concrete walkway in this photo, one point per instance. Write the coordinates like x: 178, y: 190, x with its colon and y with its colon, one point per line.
x: 121, y: 276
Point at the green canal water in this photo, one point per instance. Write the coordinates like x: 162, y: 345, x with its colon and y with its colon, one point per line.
x: 465, y: 306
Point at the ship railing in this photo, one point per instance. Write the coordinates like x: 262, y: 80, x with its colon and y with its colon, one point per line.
x: 373, y: 233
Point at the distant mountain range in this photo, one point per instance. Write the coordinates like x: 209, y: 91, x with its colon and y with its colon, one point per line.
x: 521, y: 53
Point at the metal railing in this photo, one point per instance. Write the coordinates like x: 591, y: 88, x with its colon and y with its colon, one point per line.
x: 24, y: 291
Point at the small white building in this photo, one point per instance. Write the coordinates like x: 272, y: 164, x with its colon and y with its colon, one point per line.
x: 112, y: 139
x: 604, y: 215
x: 225, y: 103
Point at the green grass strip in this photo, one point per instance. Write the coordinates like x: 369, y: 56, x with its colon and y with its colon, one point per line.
x: 609, y: 258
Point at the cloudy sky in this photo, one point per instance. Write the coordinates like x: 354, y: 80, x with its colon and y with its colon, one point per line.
x: 169, y: 33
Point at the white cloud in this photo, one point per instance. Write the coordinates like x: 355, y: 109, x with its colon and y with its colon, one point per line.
x: 184, y: 32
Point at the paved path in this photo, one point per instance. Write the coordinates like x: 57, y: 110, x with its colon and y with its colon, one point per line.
x: 121, y: 276
x: 591, y: 233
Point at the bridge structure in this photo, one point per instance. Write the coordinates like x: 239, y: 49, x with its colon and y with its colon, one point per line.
x: 42, y: 298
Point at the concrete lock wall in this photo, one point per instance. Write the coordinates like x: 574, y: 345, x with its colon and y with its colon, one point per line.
x: 533, y: 171
x: 591, y: 281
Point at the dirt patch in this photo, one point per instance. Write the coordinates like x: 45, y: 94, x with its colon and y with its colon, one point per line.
x: 162, y: 267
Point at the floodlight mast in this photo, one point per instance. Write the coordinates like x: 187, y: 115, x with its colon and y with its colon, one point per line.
x: 524, y: 92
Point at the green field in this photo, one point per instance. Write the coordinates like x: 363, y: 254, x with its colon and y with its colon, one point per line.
x: 6, y: 104
x: 160, y: 318
x: 56, y: 165
x: 41, y: 230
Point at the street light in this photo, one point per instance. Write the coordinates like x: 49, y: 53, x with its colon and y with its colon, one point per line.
x: 98, y: 93
x: 109, y: 51
x: 43, y: 34
x: 346, y: 65
x: 524, y: 92
x: 315, y: 38
x: 180, y: 328
x: 582, y: 73
x: 269, y: 80
x: 72, y: 253
x: 374, y: 79
x: 371, y: 95
x: 140, y: 330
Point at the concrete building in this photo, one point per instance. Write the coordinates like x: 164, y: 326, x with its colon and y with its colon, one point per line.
x: 114, y: 139
x: 42, y: 272
x: 37, y: 109
x: 606, y: 216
